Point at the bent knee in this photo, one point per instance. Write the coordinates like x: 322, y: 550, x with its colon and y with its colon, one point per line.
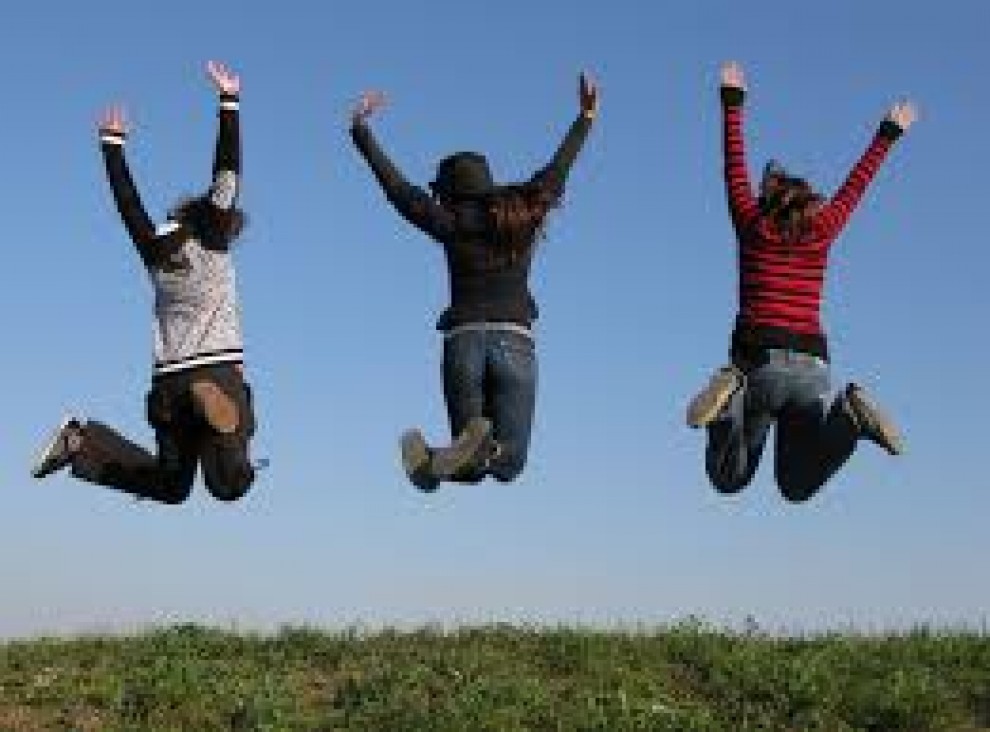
x: 507, y: 470
x: 725, y: 479
x: 231, y: 484
x: 797, y: 489
x: 175, y: 489
x: 728, y: 485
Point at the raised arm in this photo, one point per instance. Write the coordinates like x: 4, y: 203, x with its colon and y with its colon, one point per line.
x: 413, y: 203
x: 555, y: 173
x: 113, y: 136
x: 227, y: 159
x: 834, y: 215
x: 743, y: 207
x: 113, y: 129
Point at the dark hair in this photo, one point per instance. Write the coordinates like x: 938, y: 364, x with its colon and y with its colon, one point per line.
x: 210, y: 224
x: 788, y: 201
x: 517, y: 215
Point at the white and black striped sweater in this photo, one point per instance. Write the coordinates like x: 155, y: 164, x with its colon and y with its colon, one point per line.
x: 197, y: 319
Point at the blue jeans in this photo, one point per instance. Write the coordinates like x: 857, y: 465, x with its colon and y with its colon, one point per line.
x: 492, y: 374
x: 815, y: 433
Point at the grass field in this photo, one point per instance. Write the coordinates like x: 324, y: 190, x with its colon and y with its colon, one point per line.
x: 684, y: 677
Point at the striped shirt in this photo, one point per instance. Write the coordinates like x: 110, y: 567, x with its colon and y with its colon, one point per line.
x: 780, y: 280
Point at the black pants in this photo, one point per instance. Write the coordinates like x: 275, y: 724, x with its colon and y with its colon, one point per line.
x: 184, y: 440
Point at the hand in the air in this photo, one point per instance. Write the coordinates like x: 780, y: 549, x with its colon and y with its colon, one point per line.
x: 588, y: 96
x: 225, y: 81
x: 369, y: 103
x: 903, y: 114
x: 732, y: 76
x: 113, y: 121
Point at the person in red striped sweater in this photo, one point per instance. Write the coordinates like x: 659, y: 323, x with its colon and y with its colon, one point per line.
x: 779, y: 353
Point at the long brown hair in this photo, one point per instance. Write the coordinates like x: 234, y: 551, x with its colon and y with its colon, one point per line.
x: 212, y: 226
x: 789, y: 202
x: 518, y: 216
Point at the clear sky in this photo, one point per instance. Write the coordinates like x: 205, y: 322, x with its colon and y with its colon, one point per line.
x: 613, y: 521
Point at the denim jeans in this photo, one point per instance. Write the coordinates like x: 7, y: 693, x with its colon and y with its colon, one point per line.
x: 492, y: 373
x: 815, y: 433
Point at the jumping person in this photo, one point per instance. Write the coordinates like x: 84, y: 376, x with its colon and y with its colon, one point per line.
x: 779, y: 356
x: 199, y: 404
x: 489, y: 233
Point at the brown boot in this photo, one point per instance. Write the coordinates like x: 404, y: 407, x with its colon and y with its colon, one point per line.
x: 873, y: 424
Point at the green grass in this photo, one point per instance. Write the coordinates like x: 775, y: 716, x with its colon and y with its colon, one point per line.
x: 686, y: 677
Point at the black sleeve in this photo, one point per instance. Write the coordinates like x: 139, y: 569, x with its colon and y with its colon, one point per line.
x: 555, y: 173
x: 125, y: 194
x: 413, y: 203
x: 227, y: 159
x: 221, y: 199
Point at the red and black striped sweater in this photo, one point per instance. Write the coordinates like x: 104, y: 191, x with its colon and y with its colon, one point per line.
x: 781, y: 281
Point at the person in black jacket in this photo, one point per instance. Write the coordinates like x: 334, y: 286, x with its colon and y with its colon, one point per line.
x: 488, y: 233
x: 199, y: 403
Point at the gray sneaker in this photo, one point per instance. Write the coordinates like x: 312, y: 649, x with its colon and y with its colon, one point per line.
x: 58, y: 451
x: 711, y: 400
x: 872, y: 423
x: 416, y: 461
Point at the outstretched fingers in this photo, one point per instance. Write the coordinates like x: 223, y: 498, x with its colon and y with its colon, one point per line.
x: 113, y: 120
x: 368, y: 103
x: 588, y: 95
x: 732, y: 76
x: 903, y: 114
x: 223, y: 78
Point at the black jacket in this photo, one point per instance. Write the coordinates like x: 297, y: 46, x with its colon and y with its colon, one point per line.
x: 483, y: 287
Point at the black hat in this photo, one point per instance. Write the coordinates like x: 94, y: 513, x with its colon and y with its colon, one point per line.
x: 463, y: 175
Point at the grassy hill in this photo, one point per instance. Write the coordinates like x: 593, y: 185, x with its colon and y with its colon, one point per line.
x: 686, y: 677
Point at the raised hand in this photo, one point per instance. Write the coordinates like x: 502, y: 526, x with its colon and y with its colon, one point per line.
x: 225, y: 81
x: 113, y: 121
x: 369, y: 103
x: 903, y: 114
x: 732, y: 76
x: 588, y: 96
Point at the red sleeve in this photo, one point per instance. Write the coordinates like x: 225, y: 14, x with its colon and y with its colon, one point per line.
x: 836, y: 212
x: 742, y: 204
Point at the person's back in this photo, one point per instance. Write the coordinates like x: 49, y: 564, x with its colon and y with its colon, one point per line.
x: 199, y: 404
x: 779, y: 350
x: 489, y: 233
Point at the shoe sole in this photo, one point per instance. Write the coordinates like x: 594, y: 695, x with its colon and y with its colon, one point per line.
x: 44, y: 454
x: 705, y: 407
x: 886, y: 433
x: 416, y: 460
x: 218, y: 409
x: 415, y: 453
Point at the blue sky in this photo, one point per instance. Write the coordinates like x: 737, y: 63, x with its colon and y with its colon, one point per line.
x: 613, y: 521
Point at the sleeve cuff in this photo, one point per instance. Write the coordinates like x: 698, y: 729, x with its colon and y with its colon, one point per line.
x: 732, y: 96
x: 230, y: 102
x: 112, y: 138
x: 890, y: 130
x: 169, y: 226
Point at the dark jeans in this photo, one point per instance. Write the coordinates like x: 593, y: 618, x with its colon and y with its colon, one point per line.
x: 815, y: 434
x: 184, y: 440
x: 492, y: 373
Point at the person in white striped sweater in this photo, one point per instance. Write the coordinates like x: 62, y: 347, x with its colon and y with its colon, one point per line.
x: 199, y: 405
